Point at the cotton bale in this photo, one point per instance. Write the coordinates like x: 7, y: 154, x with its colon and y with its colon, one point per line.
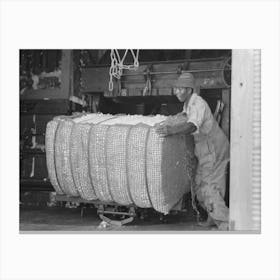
x: 119, y: 158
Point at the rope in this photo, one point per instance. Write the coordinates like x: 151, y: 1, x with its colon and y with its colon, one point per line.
x: 117, y: 65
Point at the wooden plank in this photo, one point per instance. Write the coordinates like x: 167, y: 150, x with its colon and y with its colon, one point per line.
x: 166, y: 80
x: 76, y: 91
x: 32, y: 94
x: 97, y: 79
x: 241, y: 140
x: 66, y: 73
x: 58, y: 106
x: 256, y: 153
x: 165, y: 91
x: 225, y: 124
x: 94, y: 79
x: 28, y: 184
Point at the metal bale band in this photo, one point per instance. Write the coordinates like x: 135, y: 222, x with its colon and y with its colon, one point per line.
x: 89, y: 165
x: 126, y: 157
x: 106, y: 164
x: 146, y: 167
x: 80, y: 191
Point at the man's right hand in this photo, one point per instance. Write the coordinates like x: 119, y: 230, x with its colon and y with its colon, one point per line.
x: 163, y: 129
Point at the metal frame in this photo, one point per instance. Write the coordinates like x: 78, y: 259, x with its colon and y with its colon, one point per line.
x: 104, y: 208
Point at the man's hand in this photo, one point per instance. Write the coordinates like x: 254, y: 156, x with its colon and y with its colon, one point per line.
x: 181, y: 114
x: 175, y: 125
x: 163, y: 129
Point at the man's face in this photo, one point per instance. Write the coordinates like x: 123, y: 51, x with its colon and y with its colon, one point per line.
x: 182, y: 93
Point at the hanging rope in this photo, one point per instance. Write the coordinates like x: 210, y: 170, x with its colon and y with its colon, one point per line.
x: 117, y: 65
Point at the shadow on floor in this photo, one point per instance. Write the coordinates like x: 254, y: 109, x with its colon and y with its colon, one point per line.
x: 69, y: 219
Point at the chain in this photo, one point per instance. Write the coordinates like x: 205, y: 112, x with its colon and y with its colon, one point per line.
x: 117, y: 65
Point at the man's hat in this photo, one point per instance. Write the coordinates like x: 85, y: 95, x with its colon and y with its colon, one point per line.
x: 185, y: 80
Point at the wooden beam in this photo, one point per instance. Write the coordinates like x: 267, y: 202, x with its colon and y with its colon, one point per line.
x: 66, y: 77
x: 226, y: 112
x: 242, y: 145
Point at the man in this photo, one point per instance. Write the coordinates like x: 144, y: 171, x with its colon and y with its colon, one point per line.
x: 211, y: 150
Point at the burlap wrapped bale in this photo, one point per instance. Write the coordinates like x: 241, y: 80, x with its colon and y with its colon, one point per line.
x: 79, y: 160
x: 50, y: 142
x: 63, y: 157
x: 50, y: 157
x: 79, y: 146
x: 121, y: 159
x: 68, y: 172
x: 97, y: 159
x: 136, y: 165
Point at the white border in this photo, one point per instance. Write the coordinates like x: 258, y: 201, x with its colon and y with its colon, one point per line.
x: 131, y: 24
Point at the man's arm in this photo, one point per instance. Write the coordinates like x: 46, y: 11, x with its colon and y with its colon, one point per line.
x: 184, y: 127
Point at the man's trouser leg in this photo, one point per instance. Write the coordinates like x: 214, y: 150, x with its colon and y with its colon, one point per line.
x: 210, y: 191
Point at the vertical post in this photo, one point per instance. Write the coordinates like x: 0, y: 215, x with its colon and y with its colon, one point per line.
x: 226, y: 112
x: 76, y: 73
x: 66, y: 74
x: 243, y: 146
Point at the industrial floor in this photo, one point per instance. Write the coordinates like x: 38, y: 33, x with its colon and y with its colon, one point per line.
x: 39, y: 218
